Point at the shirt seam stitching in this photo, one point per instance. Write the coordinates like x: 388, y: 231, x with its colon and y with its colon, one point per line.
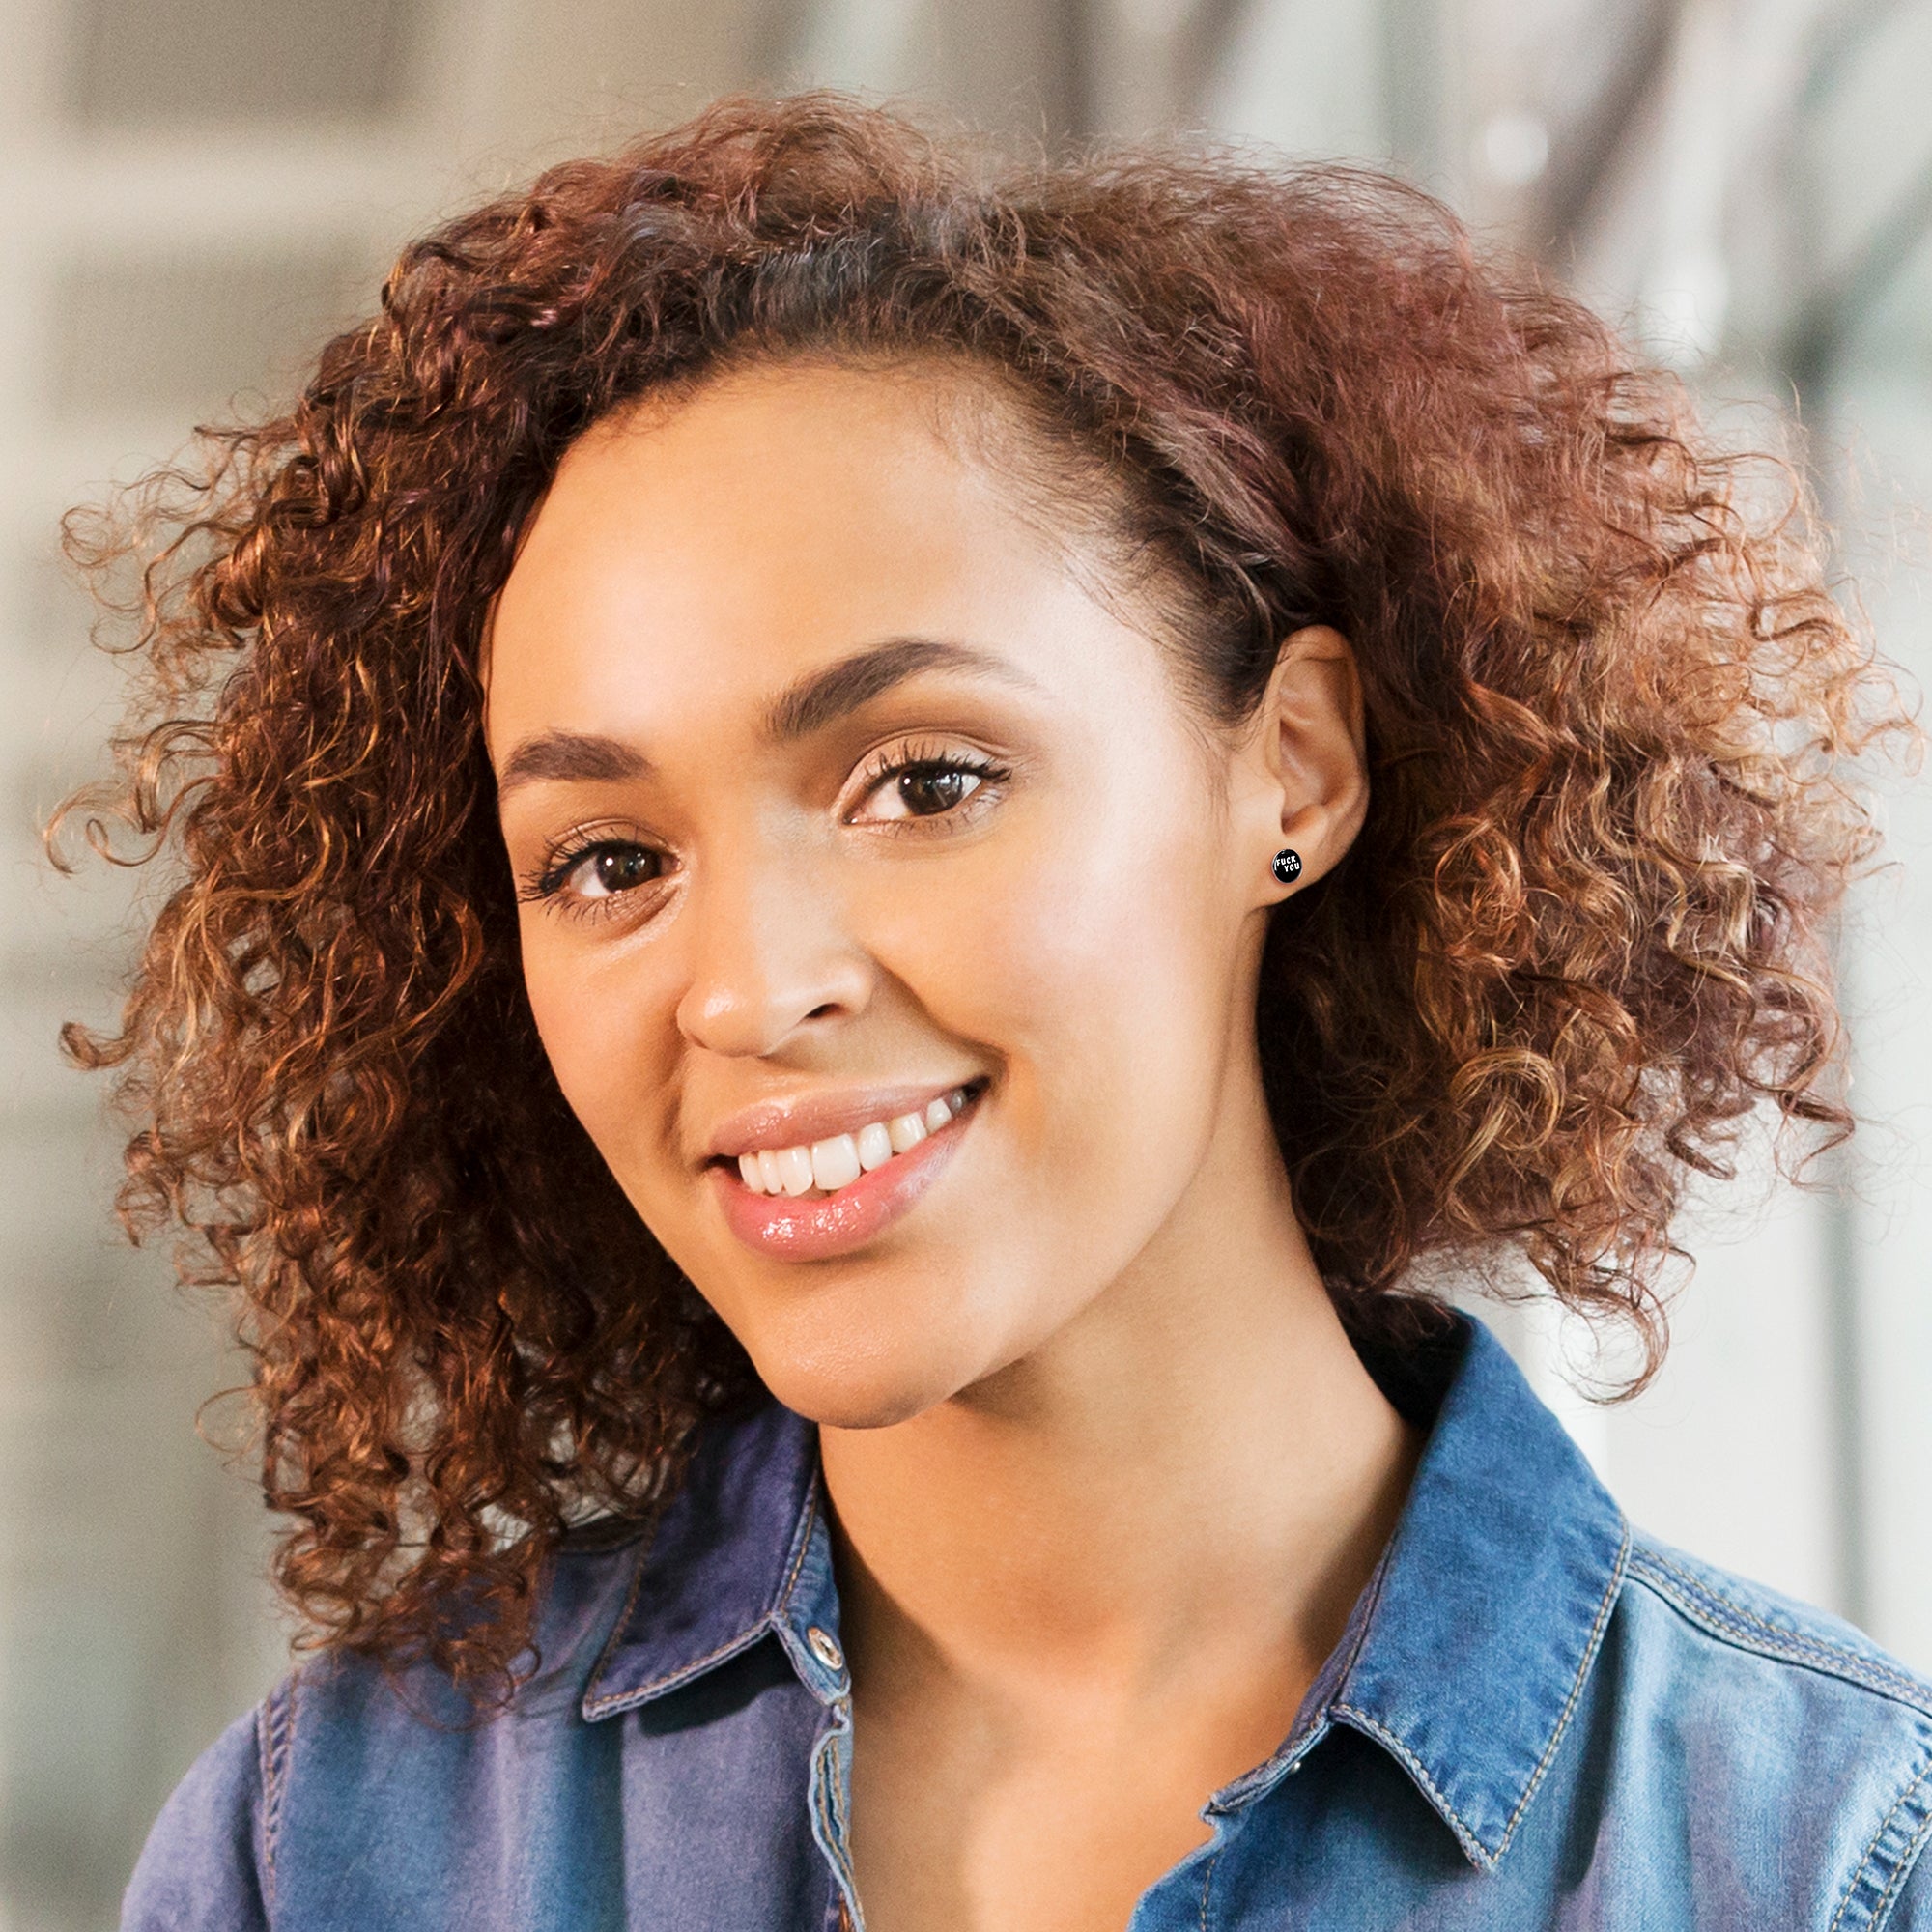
x: 1264, y: 1778
x: 1865, y: 1857
x: 274, y: 1731
x: 839, y: 1813
x: 599, y: 1707
x: 593, y: 1705
x: 1618, y: 1571
x: 644, y: 1692
x: 1730, y: 1621
x: 1378, y: 1589
x: 1386, y: 1737
x: 801, y: 1543
x: 1901, y: 1873
x: 264, y: 1766
x: 1464, y: 1833
x: 832, y: 1816
x: 1207, y: 1883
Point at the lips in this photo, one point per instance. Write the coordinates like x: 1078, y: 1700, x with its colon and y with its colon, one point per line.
x: 815, y: 1117
x: 801, y: 1227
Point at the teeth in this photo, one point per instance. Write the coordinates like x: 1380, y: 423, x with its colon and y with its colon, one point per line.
x: 835, y: 1163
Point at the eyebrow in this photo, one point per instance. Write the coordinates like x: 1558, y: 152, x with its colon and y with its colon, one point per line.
x: 817, y: 700
x: 568, y: 756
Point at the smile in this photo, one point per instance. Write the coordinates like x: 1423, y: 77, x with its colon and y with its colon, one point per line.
x: 880, y: 1172
x: 826, y: 1166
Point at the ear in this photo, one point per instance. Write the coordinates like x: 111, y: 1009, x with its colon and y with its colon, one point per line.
x: 1305, y: 778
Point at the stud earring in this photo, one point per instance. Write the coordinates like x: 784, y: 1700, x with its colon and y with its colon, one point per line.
x: 1288, y: 865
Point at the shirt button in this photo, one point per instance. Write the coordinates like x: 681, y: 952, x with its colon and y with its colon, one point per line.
x: 825, y: 1648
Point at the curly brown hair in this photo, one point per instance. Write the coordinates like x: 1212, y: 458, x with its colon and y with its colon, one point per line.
x: 1610, y: 703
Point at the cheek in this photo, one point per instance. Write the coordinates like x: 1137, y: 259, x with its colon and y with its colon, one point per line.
x: 1095, y: 965
x: 590, y: 1014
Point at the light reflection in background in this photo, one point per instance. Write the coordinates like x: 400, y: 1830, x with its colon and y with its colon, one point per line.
x: 191, y: 191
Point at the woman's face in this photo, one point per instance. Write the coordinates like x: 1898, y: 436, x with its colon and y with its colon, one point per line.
x: 834, y: 799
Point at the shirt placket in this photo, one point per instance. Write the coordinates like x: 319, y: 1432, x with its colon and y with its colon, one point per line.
x: 808, y: 1626
x: 830, y: 1799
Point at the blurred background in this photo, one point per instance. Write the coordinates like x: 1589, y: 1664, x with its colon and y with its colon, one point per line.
x: 193, y: 191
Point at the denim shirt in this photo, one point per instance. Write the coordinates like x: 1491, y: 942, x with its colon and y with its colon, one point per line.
x: 1534, y: 1718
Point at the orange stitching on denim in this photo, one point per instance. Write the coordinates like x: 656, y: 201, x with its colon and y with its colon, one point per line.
x: 801, y: 1543
x: 836, y: 1829
x: 598, y: 1707
x: 684, y: 1673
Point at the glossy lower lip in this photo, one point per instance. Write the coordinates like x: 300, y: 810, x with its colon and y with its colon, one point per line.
x: 794, y: 1229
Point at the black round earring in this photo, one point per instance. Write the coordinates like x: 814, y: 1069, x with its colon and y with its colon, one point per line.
x: 1288, y: 865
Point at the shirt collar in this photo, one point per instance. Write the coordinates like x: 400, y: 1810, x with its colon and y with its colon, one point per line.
x: 739, y: 1552
x: 1464, y: 1659
x: 1468, y: 1649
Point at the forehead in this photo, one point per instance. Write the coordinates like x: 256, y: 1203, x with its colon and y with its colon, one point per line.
x: 770, y: 516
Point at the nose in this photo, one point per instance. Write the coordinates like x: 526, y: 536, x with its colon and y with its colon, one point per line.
x: 770, y: 952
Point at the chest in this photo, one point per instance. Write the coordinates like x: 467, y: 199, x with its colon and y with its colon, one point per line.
x: 736, y: 1806
x: 971, y: 1813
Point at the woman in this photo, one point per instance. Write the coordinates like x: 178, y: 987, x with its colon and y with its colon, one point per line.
x: 880, y: 854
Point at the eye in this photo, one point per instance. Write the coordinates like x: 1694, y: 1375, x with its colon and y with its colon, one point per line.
x: 926, y: 790
x: 900, y: 787
x: 608, y: 869
x: 586, y: 875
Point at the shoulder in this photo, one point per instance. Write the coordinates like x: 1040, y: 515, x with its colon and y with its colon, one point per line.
x: 1780, y: 1725
x: 367, y: 1756
x: 345, y: 1731
x: 1715, y: 1607
x: 588, y: 1582
x: 205, y: 1860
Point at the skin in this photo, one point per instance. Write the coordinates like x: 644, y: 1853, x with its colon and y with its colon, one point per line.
x: 1105, y: 1473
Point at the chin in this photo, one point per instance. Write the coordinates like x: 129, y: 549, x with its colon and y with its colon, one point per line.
x: 849, y: 1388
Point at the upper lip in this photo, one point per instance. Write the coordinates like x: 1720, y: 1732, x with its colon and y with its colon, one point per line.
x: 806, y: 1118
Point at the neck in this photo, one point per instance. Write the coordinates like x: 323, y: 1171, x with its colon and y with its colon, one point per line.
x: 1198, y: 1463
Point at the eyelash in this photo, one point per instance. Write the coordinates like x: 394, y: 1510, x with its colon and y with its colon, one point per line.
x: 901, y: 760
x: 546, y: 885
x: 548, y: 882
